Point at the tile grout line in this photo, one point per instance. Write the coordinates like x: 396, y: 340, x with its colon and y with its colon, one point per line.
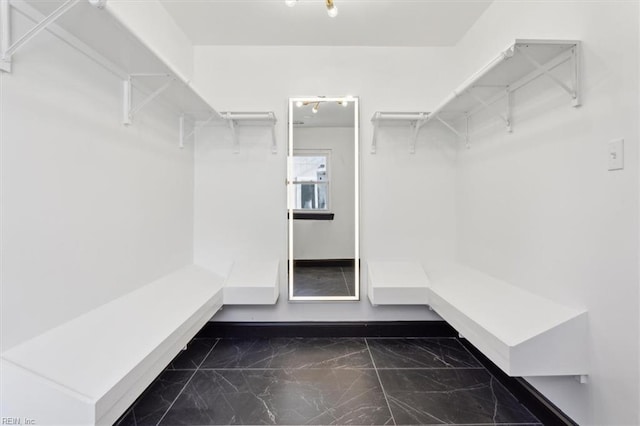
x: 346, y: 284
x: 187, y: 384
x: 380, y: 381
x: 494, y: 378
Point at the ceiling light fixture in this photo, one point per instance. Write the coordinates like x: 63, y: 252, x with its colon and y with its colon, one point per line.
x: 332, y: 9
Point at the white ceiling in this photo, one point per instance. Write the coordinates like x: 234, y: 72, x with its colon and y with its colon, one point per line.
x: 359, y: 22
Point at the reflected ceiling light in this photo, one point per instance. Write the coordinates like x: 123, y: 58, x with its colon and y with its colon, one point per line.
x: 332, y: 10
x: 290, y: 3
x: 316, y: 105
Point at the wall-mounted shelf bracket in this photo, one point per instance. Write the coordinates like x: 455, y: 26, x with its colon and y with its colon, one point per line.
x: 583, y: 379
x: 506, y: 117
x: 415, y: 119
x: 130, y: 110
x: 449, y: 126
x: 374, y: 140
x: 184, y: 136
x: 7, y: 49
x: 234, y: 134
x: 255, y: 118
x: 546, y: 71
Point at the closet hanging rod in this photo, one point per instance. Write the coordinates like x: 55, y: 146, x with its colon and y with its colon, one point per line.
x: 202, y: 106
x: 398, y: 116
x: 249, y: 116
x: 467, y: 84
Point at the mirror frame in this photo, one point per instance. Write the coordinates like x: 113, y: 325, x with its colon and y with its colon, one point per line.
x: 290, y: 198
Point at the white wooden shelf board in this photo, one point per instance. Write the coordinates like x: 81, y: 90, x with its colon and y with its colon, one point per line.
x: 102, y: 33
x: 98, y: 363
x: 523, y: 333
x: 397, y: 283
x: 252, y: 283
x: 508, y: 72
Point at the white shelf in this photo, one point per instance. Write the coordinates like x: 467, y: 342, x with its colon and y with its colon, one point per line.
x: 100, y: 36
x: 397, y: 283
x: 521, y: 332
x: 413, y: 119
x: 90, y: 369
x: 252, y: 283
x: 520, y: 63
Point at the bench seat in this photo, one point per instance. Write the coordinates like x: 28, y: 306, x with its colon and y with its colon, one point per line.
x: 397, y: 283
x: 522, y: 333
x: 252, y: 283
x: 90, y: 369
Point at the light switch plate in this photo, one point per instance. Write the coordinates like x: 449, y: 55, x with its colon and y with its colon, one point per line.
x: 616, y: 154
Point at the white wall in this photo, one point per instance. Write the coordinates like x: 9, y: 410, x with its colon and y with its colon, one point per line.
x: 539, y: 209
x: 329, y: 239
x: 240, y: 199
x: 90, y: 209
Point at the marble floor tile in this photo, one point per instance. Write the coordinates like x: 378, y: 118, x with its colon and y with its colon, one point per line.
x: 321, y: 281
x: 421, y: 353
x: 450, y: 396
x: 284, y: 397
x: 289, y: 353
x: 192, y: 357
x: 154, y: 402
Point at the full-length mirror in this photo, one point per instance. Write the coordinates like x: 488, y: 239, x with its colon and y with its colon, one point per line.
x: 323, y: 199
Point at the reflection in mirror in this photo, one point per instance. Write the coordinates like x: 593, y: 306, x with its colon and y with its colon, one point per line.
x: 323, y: 199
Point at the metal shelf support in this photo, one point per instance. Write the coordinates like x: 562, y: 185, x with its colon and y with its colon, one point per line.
x: 546, y: 70
x: 374, y: 140
x: 491, y: 107
x: 234, y: 118
x: 129, y: 111
x: 182, y: 124
x: 415, y: 119
x: 415, y: 130
x: 7, y: 49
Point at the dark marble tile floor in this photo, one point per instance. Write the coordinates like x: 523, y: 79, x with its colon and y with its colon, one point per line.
x: 324, y: 281
x: 326, y: 381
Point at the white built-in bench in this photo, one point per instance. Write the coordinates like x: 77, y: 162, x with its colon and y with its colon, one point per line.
x: 522, y: 333
x: 92, y: 368
x: 252, y: 283
x: 397, y: 283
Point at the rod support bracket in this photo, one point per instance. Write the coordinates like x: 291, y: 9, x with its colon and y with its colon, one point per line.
x: 99, y: 4
x: 374, y: 140
x: 7, y: 49
x: 415, y: 130
x: 129, y: 110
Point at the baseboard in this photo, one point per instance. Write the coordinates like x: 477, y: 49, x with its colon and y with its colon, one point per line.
x: 328, y: 329
x: 323, y: 263
x: 537, y: 403
x: 539, y: 406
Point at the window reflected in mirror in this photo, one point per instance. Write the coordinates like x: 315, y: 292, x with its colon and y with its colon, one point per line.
x: 311, y: 180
